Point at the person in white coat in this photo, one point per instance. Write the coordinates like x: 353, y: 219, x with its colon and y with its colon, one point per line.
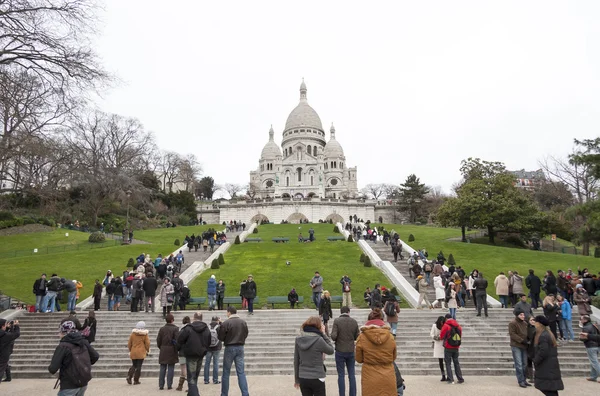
x: 471, y: 286
x: 440, y: 291
x: 438, y: 344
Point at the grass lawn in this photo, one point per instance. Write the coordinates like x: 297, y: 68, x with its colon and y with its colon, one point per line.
x: 490, y: 259
x: 40, y: 240
x: 266, y: 262
x: 168, y: 235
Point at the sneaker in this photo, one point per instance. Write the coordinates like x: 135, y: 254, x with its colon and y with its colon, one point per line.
x: 216, y: 382
x: 527, y: 384
x: 450, y: 382
x: 206, y: 382
x: 591, y: 379
x: 523, y: 385
x: 461, y: 381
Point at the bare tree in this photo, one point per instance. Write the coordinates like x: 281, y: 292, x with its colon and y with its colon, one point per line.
x: 252, y: 190
x: 189, y: 171
x: 374, y: 190
x: 233, y: 189
x: 579, y: 178
x: 168, y: 170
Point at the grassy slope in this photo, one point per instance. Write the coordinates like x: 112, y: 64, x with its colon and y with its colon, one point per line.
x: 41, y: 239
x: 490, y: 259
x: 168, y: 235
x: 266, y: 262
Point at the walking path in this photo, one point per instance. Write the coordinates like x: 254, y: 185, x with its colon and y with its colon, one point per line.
x: 281, y: 385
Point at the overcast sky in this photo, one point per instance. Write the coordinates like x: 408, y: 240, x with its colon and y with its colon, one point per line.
x: 412, y: 87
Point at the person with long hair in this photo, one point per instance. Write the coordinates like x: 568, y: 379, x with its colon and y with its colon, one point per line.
x: 438, y: 344
x: 551, y: 312
x: 167, y: 357
x: 547, y: 369
x: 550, y: 283
x: 376, y: 350
x: 309, y: 349
x: 325, y: 309
x: 182, y: 363
x: 139, y: 347
x: 90, y: 322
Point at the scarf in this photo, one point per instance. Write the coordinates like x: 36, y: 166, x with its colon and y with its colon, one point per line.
x: 311, y: 329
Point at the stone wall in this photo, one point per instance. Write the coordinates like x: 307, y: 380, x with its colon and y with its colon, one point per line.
x: 211, y: 216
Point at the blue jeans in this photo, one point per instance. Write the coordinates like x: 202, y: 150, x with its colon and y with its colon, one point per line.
x: 593, y: 356
x: 235, y: 354
x: 250, y: 304
x: 345, y: 360
x: 214, y: 355
x: 212, y: 301
x: 317, y: 299
x: 567, y: 329
x: 453, y: 313
x: 193, y: 366
x: 111, y: 302
x: 39, y: 303
x: 169, y: 370
x: 73, y: 392
x: 71, y: 301
x: 394, y: 327
x: 428, y: 276
x: 117, y: 300
x: 49, y: 301
x: 504, y: 301
x: 461, y: 300
x: 520, y: 360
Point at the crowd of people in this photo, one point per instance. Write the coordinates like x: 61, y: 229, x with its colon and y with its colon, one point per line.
x: 235, y: 226
x: 208, y: 239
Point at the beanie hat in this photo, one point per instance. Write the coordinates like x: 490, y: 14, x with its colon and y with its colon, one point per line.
x: 542, y: 320
x: 578, y: 286
x: 67, y: 327
x: 141, y: 325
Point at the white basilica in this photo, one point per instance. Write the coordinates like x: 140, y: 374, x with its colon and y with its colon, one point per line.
x: 306, y: 165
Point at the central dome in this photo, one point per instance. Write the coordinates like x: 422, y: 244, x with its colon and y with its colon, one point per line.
x: 303, y: 115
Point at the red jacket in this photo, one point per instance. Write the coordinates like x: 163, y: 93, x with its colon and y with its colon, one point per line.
x: 445, y: 332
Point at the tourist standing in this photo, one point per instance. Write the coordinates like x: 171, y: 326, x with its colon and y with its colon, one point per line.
x: 550, y: 283
x: 243, y: 294
x: 325, y: 309
x: 167, y: 296
x: 220, y: 294
x: 451, y: 334
x: 502, y: 284
x: 346, y: 295
x: 452, y: 300
x: 150, y: 285
x: 167, y: 357
x: 367, y: 296
x: 309, y: 348
x: 139, y: 346
x: 376, y: 297
x: 547, y: 370
x: 591, y: 346
x: 551, y: 312
x: 75, y: 374
x: 345, y: 331
x: 566, y: 319
x: 53, y: 287
x: 97, y: 295
x: 534, y: 284
x: 233, y: 332
x: 517, y: 330
x: 481, y: 285
x: 91, y: 323
x: 440, y: 291
x: 516, y: 283
x: 9, y: 332
x: 194, y: 340
x: 137, y: 293
x: 376, y: 350
x: 211, y: 291
x: 422, y: 289
x: 438, y: 344
x: 523, y: 306
x: 250, y: 294
x: 71, y: 289
x: 182, y: 362
x: 582, y: 299
x: 214, y: 351
x: 316, y: 283
x: 391, y: 308
x: 39, y: 289
x: 471, y: 286
x: 178, y: 284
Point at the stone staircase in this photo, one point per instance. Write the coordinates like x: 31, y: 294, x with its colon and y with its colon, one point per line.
x: 269, y: 349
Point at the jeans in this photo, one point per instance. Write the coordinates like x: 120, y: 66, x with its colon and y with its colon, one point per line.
x: 168, y: 369
x: 394, y: 327
x: 193, y: 366
x: 311, y: 387
x: 453, y: 313
x: 73, y: 392
x: 345, y: 360
x: 593, y: 356
x: 481, y: 303
x: 428, y: 277
x: 567, y: 328
x: 461, y: 300
x: 212, y: 301
x: 535, y: 298
x: 151, y: 298
x: 451, y: 355
x: 316, y: 297
x: 220, y: 298
x: 235, y: 354
x: 520, y: 360
x: 504, y: 301
x: 49, y: 301
x: 214, y: 355
x: 111, y: 302
x: 39, y: 303
x: 117, y: 301
x: 71, y: 301
x: 250, y: 305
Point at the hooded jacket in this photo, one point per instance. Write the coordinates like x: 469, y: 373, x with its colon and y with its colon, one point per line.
x: 211, y: 288
x: 308, y: 355
x: 517, y: 284
x: 7, y: 341
x: 138, y: 344
x: 445, y: 332
x: 501, y: 282
x: 62, y: 359
x: 194, y: 340
x: 376, y: 350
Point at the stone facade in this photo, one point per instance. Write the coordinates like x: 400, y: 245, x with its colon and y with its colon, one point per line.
x: 306, y: 165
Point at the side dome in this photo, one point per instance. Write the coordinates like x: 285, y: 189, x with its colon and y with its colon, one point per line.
x: 303, y: 115
x: 271, y: 149
x: 333, y: 148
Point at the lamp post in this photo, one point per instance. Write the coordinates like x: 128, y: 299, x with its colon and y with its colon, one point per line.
x: 128, y: 193
x: 201, y: 203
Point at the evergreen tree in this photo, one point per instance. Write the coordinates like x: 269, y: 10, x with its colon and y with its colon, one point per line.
x: 412, y: 194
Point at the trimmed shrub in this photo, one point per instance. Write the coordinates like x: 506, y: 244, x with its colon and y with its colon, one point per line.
x: 368, y: 262
x: 411, y: 238
x: 362, y: 257
x: 177, y: 243
x: 255, y: 231
x: 336, y: 230
x: 215, y: 264
x: 451, y: 260
x: 597, y: 252
x: 221, y: 259
x: 596, y: 301
x: 97, y: 237
x: 237, y: 240
x: 130, y: 262
x: 350, y: 239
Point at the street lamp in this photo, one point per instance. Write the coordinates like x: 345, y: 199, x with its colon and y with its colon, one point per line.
x: 128, y: 193
x: 201, y: 198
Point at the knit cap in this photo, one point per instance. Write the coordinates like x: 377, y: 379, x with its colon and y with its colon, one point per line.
x: 67, y: 327
x: 141, y: 325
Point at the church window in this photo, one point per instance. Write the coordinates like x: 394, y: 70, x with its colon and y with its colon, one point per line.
x: 309, y: 149
x: 315, y: 151
x: 301, y: 130
x: 287, y: 181
x: 334, y: 182
x: 285, y: 152
x: 299, y: 171
x: 341, y: 165
x: 312, y: 180
x: 270, y: 183
x: 325, y: 165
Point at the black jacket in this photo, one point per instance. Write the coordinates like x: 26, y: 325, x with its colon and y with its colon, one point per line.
x: 54, y: 284
x: 589, y: 285
x: 250, y: 291
x: 534, y: 284
x: 547, y: 369
x: 69, y: 286
x: 91, y: 323
x: 119, y: 287
x: 550, y: 285
x: 194, y: 340
x: 7, y: 340
x: 481, y: 285
x: 62, y: 358
x: 219, y: 345
x: 590, y: 329
x: 233, y: 331
x: 150, y: 286
x: 345, y: 331
x: 221, y: 290
x: 325, y: 309
x: 40, y: 290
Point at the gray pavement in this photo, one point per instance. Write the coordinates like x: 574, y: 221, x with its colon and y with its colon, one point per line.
x: 284, y: 385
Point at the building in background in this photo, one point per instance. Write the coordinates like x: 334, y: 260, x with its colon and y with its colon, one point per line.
x: 528, y: 180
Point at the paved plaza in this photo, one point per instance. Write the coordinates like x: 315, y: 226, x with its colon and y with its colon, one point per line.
x: 279, y: 385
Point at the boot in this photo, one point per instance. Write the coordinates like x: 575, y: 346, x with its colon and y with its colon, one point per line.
x: 130, y: 374
x: 180, y: 386
x: 136, y: 378
x: 8, y: 377
x: 443, y: 378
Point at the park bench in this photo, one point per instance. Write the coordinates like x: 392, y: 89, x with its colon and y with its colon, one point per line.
x: 235, y: 300
x: 281, y: 300
x: 335, y: 238
x: 253, y: 240
x: 198, y: 301
x: 281, y: 240
x: 337, y: 299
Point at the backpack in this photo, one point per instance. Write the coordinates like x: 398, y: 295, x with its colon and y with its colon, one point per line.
x: 185, y: 293
x: 177, y: 285
x: 79, y: 371
x: 346, y: 287
x: 454, y: 337
x: 214, y: 337
x: 390, y: 309
x: 138, y: 289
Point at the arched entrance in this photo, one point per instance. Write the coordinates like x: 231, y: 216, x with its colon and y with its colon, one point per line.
x: 285, y: 195
x: 298, y: 196
x: 259, y: 218
x: 336, y: 218
x: 297, y: 218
